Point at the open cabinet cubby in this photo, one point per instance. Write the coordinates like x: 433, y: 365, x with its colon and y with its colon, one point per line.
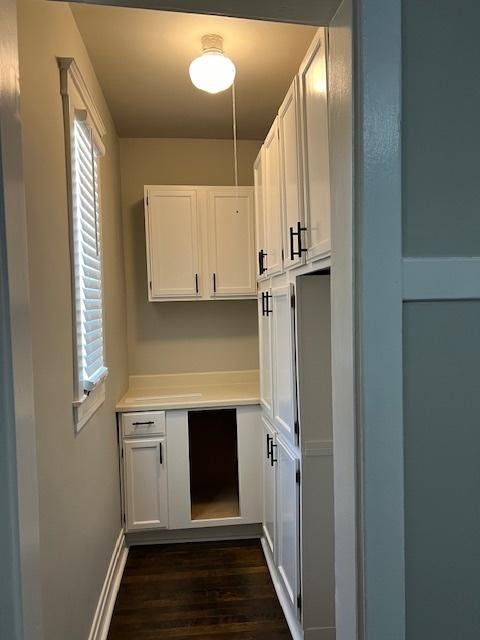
x: 213, y: 457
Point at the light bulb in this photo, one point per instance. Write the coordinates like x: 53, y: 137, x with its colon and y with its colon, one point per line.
x: 212, y: 71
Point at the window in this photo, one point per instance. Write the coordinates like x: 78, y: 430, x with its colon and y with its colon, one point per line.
x: 87, y: 258
x: 84, y: 131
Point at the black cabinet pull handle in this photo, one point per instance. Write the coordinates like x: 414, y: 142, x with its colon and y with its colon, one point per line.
x: 268, y: 311
x: 214, y: 283
x: 273, y: 460
x: 297, y: 233
x: 196, y: 282
x: 161, y: 453
x: 261, y: 263
x: 269, y: 445
x: 263, y: 303
x: 142, y: 424
x: 292, y: 250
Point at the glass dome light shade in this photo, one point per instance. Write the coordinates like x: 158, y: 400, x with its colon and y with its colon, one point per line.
x: 212, y: 72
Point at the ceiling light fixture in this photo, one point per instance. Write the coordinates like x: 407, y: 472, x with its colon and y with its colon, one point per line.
x: 212, y: 71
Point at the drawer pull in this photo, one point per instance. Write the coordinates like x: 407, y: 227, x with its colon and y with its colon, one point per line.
x: 142, y: 424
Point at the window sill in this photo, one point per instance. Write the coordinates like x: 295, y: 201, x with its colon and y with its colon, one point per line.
x: 85, y: 409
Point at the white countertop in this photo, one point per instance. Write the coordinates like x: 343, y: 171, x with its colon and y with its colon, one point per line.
x: 191, y: 390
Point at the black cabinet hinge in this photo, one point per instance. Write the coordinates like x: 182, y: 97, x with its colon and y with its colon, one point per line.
x: 296, y: 428
x: 292, y: 301
x: 298, y: 476
x: 299, y: 601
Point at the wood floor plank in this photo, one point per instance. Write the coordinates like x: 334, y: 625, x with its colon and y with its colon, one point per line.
x: 198, y: 591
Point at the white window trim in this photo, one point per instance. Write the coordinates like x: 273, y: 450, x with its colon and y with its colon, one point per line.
x: 76, y: 97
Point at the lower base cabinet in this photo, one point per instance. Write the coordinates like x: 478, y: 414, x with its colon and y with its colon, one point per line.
x: 146, y: 496
x: 298, y: 533
x: 288, y: 522
x: 191, y: 468
x: 281, y: 511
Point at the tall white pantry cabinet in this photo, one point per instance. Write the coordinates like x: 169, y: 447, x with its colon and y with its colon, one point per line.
x: 292, y: 198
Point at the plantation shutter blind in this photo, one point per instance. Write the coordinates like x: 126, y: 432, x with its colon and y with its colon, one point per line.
x: 88, y: 259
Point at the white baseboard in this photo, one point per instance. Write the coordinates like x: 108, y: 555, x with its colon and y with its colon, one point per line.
x: 293, y: 623
x: 106, y: 602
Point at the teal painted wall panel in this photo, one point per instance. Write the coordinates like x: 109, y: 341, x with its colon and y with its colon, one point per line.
x: 441, y: 127
x: 442, y: 469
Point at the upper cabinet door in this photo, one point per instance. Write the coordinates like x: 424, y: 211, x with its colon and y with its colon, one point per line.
x: 273, y: 202
x: 172, y: 243
x: 316, y: 168
x: 260, y: 222
x: 231, y: 240
x: 283, y: 362
x: 291, y: 179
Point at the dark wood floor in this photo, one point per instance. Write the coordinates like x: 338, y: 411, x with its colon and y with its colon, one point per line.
x: 206, y: 591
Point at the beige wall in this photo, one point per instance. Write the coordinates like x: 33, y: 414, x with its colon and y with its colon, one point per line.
x: 171, y: 337
x: 78, y: 474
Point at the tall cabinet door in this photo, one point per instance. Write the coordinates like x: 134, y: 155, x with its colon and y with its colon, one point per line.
x: 313, y: 98
x: 172, y: 243
x: 269, y: 486
x: 145, y: 478
x: 273, y: 202
x: 288, y: 521
x: 291, y: 179
x: 283, y: 362
x: 231, y: 240
x: 260, y: 222
x: 265, y: 352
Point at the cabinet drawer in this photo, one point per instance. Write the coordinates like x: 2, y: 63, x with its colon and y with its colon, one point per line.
x: 143, y: 423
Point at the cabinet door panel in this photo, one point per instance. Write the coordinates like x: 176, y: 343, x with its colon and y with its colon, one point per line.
x: 172, y: 243
x: 260, y: 222
x: 265, y: 352
x: 288, y: 521
x: 313, y: 97
x: 291, y: 179
x: 283, y: 361
x: 269, y: 487
x: 273, y: 202
x: 146, y: 484
x: 232, y: 242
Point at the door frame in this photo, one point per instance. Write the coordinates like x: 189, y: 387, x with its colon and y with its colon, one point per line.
x: 20, y: 587
x: 373, y: 539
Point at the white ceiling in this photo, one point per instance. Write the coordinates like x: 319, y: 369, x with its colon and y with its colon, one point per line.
x: 141, y: 58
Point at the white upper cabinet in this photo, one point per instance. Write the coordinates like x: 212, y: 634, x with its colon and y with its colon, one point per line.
x: 314, y: 126
x: 283, y: 362
x: 172, y: 243
x: 273, y: 202
x: 260, y: 221
x: 291, y: 179
x: 200, y: 242
x: 231, y: 239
